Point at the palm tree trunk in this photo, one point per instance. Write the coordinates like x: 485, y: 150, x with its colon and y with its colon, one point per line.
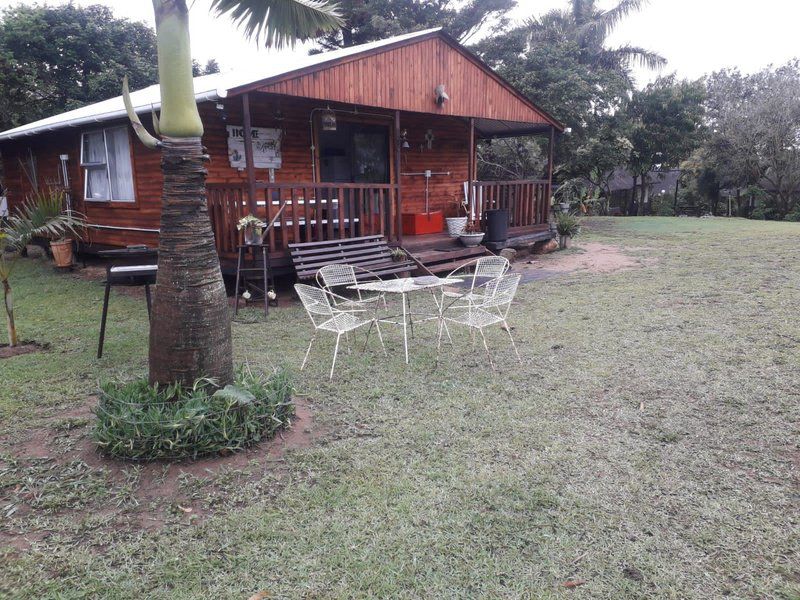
x: 8, y: 303
x: 190, y: 332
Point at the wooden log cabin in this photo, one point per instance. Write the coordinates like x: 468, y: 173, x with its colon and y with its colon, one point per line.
x: 374, y: 139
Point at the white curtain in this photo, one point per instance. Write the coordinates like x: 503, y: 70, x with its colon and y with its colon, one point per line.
x: 94, y: 157
x: 119, y: 164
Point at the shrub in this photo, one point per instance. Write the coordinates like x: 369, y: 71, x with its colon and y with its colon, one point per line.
x: 764, y: 212
x: 568, y: 224
x: 136, y: 421
x: 794, y: 215
x: 662, y: 205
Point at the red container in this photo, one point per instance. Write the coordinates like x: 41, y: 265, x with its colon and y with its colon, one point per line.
x: 422, y: 223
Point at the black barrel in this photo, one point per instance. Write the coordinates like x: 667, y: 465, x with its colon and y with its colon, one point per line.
x: 496, y: 225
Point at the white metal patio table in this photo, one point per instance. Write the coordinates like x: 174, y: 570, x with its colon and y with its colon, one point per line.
x: 404, y: 287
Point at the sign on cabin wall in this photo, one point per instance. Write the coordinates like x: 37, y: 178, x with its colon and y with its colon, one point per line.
x: 266, y: 147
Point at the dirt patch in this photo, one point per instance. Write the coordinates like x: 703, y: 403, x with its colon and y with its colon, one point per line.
x: 136, y: 496
x: 590, y: 256
x: 7, y: 351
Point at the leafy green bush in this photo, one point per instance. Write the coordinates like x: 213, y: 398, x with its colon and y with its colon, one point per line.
x: 794, y: 215
x: 764, y: 212
x: 568, y: 224
x: 137, y: 421
x: 663, y: 205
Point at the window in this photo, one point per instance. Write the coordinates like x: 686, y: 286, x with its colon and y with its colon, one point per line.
x: 106, y: 159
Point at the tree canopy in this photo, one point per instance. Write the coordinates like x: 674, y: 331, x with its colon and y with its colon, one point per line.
x: 56, y: 58
x: 369, y: 20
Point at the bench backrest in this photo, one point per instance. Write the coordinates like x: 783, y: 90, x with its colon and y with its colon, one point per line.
x: 369, y: 252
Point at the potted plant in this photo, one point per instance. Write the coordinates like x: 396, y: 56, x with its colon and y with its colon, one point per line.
x: 41, y: 210
x: 568, y: 225
x: 253, y: 229
x: 41, y: 216
x: 569, y: 193
x: 398, y: 254
x: 472, y: 235
x: 455, y: 225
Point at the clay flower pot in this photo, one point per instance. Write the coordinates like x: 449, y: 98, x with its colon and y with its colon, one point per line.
x: 62, y: 252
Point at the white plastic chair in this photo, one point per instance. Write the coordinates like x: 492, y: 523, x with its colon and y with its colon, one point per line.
x: 479, y: 311
x: 327, y: 317
x: 331, y: 277
x: 482, y: 269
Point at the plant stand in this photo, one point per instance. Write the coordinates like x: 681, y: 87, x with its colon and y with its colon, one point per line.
x: 245, y: 280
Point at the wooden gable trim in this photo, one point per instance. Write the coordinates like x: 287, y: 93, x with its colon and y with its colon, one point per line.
x: 334, y: 62
x: 479, y: 62
x: 446, y: 38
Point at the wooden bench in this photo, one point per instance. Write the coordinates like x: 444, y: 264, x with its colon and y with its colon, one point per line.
x: 371, y: 253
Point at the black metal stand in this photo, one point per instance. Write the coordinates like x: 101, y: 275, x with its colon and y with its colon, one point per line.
x: 265, y: 272
x: 131, y: 273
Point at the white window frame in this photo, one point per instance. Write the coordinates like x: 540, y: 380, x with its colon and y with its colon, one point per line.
x: 87, y: 166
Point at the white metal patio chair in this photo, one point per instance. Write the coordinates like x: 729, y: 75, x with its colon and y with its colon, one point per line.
x: 333, y: 277
x: 327, y: 317
x: 482, y: 270
x: 477, y: 312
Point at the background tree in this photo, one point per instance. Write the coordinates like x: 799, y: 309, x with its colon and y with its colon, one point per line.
x: 510, y: 158
x: 561, y: 60
x: 57, y: 58
x: 754, y: 132
x: 190, y: 332
x: 369, y: 20
x: 665, y: 126
x: 211, y: 67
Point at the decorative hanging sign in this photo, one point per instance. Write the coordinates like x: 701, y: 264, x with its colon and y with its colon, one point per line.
x: 266, y: 147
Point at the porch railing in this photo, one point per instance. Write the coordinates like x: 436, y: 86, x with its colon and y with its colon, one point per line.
x: 313, y: 212
x: 527, y: 201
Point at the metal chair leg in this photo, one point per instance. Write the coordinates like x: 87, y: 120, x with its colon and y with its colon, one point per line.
x: 313, y: 337
x: 380, y: 337
x: 335, y: 352
x: 511, y: 337
x: 103, y: 321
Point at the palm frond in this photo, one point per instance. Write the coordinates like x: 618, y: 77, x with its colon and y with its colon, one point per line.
x: 41, y: 215
x: 635, y: 55
x: 602, y: 23
x: 280, y: 23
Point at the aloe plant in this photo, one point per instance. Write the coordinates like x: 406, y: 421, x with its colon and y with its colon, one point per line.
x: 41, y: 215
x: 190, y: 333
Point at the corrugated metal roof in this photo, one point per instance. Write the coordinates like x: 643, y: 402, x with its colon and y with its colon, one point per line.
x: 206, y: 87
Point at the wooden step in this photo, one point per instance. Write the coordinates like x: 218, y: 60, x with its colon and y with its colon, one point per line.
x: 445, y: 259
x: 448, y: 255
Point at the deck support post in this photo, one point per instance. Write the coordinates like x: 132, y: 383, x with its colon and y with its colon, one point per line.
x: 247, y: 125
x: 550, y: 151
x: 471, y: 169
x: 398, y: 149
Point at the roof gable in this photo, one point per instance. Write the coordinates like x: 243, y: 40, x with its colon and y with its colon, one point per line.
x: 397, y: 73
x: 403, y: 76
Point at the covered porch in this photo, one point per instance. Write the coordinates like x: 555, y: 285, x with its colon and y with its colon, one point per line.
x: 420, y: 176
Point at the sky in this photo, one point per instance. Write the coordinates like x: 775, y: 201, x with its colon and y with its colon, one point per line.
x: 696, y: 36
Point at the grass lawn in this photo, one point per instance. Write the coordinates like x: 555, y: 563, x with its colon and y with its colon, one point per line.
x: 649, y: 447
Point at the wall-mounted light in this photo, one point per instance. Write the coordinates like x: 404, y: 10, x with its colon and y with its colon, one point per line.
x: 404, y: 140
x: 328, y: 120
x: 429, y: 137
x: 222, y: 113
x: 440, y: 95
